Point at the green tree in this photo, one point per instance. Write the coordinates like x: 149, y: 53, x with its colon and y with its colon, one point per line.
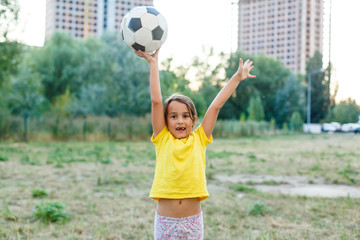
x: 113, y: 80
x: 26, y: 90
x: 95, y: 74
x: 255, y: 109
x: 347, y: 111
x: 61, y: 105
x: 320, y: 89
x: 9, y: 12
x: 271, y: 76
x: 59, y: 65
x: 173, y: 80
x: 290, y: 99
x: 9, y: 52
x: 207, y: 76
x: 296, y: 122
x: 128, y: 81
x: 10, y: 57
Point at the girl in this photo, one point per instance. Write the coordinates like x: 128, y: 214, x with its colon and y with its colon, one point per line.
x: 180, y: 182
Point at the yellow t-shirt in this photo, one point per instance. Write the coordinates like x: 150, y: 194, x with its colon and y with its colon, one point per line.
x: 180, y: 166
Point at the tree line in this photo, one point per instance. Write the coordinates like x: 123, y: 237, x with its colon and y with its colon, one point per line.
x: 102, y: 76
x: 72, y: 78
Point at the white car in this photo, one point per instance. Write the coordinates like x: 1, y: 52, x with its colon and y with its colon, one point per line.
x: 331, y: 127
x: 349, y: 127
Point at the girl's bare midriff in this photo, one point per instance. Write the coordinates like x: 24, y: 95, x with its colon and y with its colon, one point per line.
x: 178, y: 208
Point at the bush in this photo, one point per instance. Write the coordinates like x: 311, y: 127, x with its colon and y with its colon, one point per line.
x: 229, y: 128
x: 296, y: 122
x: 38, y: 193
x: 347, y: 111
x: 3, y: 158
x: 50, y: 212
x: 258, y: 208
x: 122, y: 128
x: 92, y: 128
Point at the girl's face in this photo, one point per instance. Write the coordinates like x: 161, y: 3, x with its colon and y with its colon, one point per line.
x: 179, y: 120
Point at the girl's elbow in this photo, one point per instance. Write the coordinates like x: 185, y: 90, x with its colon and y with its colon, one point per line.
x: 156, y: 101
x: 215, y: 108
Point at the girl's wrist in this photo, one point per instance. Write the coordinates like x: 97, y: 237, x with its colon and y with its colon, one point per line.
x: 153, y: 63
x: 238, y: 77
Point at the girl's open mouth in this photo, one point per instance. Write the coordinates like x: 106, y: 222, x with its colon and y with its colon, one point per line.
x: 180, y: 129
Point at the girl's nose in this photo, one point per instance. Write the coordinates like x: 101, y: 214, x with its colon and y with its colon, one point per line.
x: 180, y: 120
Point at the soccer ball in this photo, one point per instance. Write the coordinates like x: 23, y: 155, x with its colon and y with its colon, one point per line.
x: 144, y: 28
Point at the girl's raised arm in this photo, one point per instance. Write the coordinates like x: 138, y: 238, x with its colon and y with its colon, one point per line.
x: 157, y: 112
x: 212, y: 112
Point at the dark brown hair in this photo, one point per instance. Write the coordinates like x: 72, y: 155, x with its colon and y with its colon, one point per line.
x: 183, y: 99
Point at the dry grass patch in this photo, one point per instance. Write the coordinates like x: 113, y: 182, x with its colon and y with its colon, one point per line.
x: 105, y: 187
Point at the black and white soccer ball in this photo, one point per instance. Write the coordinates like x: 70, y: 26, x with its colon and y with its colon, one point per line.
x: 144, y: 28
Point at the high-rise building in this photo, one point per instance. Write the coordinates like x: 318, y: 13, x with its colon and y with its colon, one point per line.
x: 82, y: 18
x: 289, y: 30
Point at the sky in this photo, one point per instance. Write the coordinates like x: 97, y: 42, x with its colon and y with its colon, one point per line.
x: 195, y: 25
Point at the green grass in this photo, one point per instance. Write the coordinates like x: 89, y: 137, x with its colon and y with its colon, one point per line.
x: 78, y: 190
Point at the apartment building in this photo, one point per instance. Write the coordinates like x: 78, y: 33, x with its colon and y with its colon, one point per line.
x: 82, y: 18
x: 289, y: 30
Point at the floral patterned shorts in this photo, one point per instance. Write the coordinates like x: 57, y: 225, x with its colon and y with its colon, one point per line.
x: 190, y: 228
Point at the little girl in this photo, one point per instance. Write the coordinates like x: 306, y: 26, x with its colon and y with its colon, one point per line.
x: 180, y: 182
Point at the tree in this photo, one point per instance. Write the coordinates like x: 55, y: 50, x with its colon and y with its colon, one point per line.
x: 172, y: 81
x: 128, y: 81
x: 9, y: 52
x: 207, y: 76
x: 9, y: 12
x: 347, y: 111
x: 290, y: 99
x: 320, y: 89
x: 59, y: 64
x: 271, y: 76
x: 10, y: 57
x: 296, y: 121
x: 26, y: 91
x: 24, y: 95
x: 255, y: 109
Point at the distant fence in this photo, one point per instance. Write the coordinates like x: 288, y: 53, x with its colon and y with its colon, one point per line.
x: 121, y: 128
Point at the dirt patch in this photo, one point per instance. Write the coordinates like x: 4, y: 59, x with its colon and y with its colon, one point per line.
x: 292, y: 185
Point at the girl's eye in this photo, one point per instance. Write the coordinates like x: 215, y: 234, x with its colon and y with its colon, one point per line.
x: 186, y: 116
x: 173, y: 116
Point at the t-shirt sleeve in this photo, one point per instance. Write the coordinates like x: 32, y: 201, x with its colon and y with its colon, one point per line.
x: 203, y: 138
x: 159, y: 137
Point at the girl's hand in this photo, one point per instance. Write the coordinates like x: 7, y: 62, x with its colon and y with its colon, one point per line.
x: 243, y: 71
x: 153, y: 58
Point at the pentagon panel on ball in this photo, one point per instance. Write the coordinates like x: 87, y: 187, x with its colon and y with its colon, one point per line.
x: 144, y: 28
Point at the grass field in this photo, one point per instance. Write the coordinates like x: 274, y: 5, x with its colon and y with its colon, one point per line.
x: 78, y: 190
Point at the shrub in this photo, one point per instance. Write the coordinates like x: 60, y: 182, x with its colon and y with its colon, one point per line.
x: 296, y: 122
x: 38, y: 193
x: 258, y: 208
x: 3, y: 158
x: 229, y: 128
x: 50, y: 212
